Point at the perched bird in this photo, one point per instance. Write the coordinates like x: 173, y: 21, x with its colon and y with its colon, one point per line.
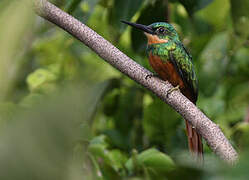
x: 172, y: 62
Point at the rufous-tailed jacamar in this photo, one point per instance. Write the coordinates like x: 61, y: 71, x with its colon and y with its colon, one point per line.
x: 172, y: 62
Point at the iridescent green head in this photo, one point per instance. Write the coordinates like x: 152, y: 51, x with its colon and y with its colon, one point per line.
x: 159, y: 32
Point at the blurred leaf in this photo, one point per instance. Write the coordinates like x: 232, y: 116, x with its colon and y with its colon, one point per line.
x: 240, y: 16
x: 117, y: 139
x: 130, y: 103
x: 215, y: 105
x: 31, y: 100
x: 127, y: 111
x: 83, y: 9
x: 239, y: 171
x: 194, y: 5
x: 110, y: 102
x: 153, y: 160
x: 13, y: 42
x: 100, y: 149
x: 160, y: 125
x: 42, y: 80
x: 237, y: 102
x: 97, y: 70
x: 214, y: 60
x: 123, y: 10
x: 42, y: 139
x: 97, y: 92
x: 202, y: 4
x: 240, y: 135
x: 105, y: 3
x: 217, y: 13
x: 7, y: 111
x: 72, y: 5
x: 99, y: 140
x: 240, y: 63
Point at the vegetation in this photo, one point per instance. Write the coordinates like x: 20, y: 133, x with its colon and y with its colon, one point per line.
x: 66, y: 114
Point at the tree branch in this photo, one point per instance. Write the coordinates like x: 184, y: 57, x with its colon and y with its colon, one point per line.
x: 209, y: 130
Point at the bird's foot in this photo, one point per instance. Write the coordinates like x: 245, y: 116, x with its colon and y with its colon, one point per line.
x: 173, y: 89
x: 150, y: 76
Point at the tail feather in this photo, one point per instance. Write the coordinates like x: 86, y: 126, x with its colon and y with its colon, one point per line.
x: 194, y: 142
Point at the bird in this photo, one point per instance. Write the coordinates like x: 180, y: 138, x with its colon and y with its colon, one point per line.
x: 173, y: 63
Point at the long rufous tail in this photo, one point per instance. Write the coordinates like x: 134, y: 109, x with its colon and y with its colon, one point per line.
x: 194, y: 142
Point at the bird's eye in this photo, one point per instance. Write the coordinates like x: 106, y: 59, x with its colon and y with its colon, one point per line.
x: 161, y: 30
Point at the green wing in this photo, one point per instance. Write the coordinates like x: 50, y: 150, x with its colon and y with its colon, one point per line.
x: 182, y: 61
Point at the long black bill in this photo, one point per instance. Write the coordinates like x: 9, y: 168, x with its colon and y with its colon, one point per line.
x: 140, y: 26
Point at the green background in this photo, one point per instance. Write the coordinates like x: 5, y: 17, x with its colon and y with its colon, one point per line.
x: 67, y: 114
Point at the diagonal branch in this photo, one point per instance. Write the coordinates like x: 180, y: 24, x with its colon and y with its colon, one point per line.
x: 209, y: 130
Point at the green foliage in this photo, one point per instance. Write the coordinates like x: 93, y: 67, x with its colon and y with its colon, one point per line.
x: 214, y: 59
x: 41, y: 78
x: 194, y: 5
x: 66, y: 114
x: 129, y: 8
x: 151, y: 161
x: 162, y: 133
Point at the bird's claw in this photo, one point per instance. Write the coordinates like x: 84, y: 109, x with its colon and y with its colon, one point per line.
x: 172, y: 89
